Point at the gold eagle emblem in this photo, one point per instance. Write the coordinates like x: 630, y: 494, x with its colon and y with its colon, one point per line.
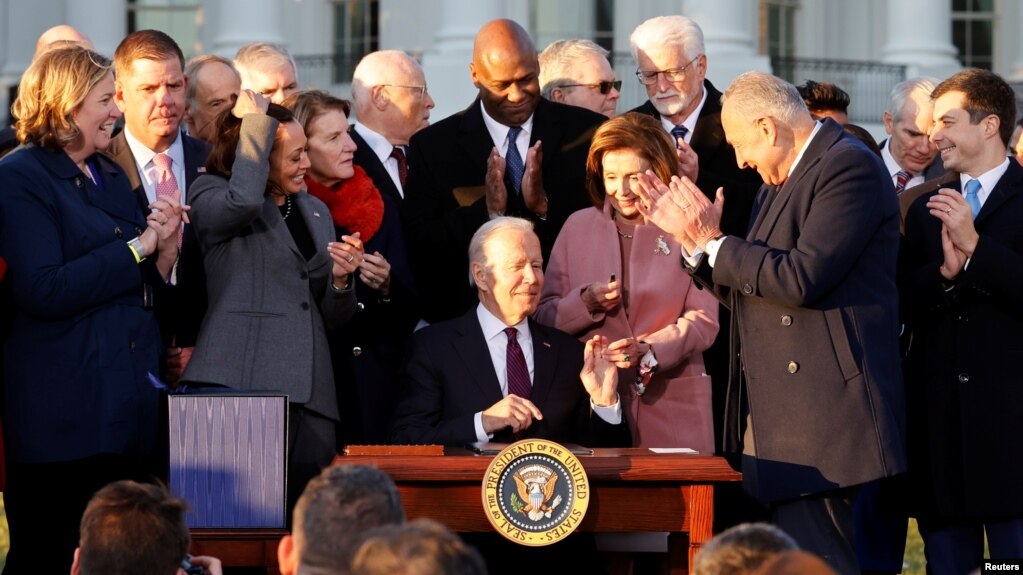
x: 535, y: 484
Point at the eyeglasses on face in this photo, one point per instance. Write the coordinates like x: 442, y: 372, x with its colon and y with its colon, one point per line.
x: 419, y: 90
x: 603, y: 87
x: 672, y: 74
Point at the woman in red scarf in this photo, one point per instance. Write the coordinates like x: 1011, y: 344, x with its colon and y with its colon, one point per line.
x: 367, y: 352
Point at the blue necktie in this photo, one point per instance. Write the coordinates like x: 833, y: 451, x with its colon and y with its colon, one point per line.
x: 972, y: 187
x: 513, y: 160
x: 677, y: 132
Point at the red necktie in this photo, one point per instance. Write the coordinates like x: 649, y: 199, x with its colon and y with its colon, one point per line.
x: 902, y: 177
x: 166, y: 184
x: 399, y: 155
x: 518, y: 372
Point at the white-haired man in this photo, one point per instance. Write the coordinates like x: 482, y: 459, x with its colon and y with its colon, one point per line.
x: 391, y: 104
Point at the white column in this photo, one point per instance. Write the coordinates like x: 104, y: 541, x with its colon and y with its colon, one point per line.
x: 920, y: 36
x: 105, y: 22
x: 729, y: 36
x: 239, y: 22
x: 1016, y: 74
x: 446, y: 63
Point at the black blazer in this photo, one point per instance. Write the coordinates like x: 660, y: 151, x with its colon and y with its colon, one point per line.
x: 368, y: 161
x: 718, y: 168
x: 449, y: 377
x: 962, y: 370
x: 179, y: 309
x: 445, y: 195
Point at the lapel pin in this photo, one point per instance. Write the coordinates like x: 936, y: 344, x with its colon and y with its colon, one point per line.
x: 546, y: 344
x: 201, y: 169
x: 317, y: 214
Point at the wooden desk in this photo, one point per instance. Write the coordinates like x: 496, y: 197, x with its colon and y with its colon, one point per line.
x: 632, y: 490
x: 240, y: 547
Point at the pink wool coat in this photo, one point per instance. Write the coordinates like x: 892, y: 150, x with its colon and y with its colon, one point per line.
x: 666, y: 310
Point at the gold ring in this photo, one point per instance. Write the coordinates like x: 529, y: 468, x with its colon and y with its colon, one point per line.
x: 948, y: 211
x: 350, y: 258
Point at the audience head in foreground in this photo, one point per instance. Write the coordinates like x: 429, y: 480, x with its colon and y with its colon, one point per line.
x: 332, y: 515
x: 420, y: 547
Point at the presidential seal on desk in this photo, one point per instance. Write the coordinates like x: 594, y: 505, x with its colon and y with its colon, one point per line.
x: 535, y: 492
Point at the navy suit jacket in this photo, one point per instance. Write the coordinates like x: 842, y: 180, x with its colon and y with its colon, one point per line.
x: 449, y: 377
x: 445, y: 195
x: 815, y: 308
x: 962, y: 370
x: 718, y: 167
x: 82, y: 341
x: 179, y: 308
x: 368, y: 161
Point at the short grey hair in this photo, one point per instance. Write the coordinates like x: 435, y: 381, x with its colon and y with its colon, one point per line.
x: 378, y: 68
x: 756, y: 94
x: 477, y: 255
x: 903, y: 91
x: 264, y: 56
x: 558, y: 60
x: 673, y: 31
x: 197, y: 63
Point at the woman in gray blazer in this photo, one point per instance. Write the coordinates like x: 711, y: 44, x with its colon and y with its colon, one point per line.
x: 275, y: 276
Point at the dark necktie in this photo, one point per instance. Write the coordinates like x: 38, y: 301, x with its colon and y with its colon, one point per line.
x: 972, y: 187
x: 513, y: 160
x: 902, y: 177
x: 677, y: 132
x: 518, y: 372
x: 166, y: 184
x: 399, y: 155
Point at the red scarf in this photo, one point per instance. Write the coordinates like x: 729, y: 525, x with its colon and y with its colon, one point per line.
x: 355, y: 204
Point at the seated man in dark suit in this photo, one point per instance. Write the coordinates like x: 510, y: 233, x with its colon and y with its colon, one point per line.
x: 494, y: 374
x: 510, y: 152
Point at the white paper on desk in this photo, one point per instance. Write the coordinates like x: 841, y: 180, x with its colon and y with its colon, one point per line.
x: 673, y: 450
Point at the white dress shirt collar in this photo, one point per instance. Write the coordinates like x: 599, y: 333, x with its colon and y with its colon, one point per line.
x: 988, y: 180
x: 499, y: 134
x: 148, y: 171
x: 690, y: 122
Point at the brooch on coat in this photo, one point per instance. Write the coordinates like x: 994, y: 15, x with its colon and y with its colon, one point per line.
x: 662, y: 248
x: 647, y: 367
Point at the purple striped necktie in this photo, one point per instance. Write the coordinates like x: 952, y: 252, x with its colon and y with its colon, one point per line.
x: 518, y: 372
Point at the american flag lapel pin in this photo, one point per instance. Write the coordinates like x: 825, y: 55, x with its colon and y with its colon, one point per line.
x: 201, y: 169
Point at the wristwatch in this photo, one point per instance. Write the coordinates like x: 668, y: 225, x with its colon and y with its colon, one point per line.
x: 135, y: 244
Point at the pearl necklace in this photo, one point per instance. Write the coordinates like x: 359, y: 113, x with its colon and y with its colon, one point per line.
x: 287, y: 211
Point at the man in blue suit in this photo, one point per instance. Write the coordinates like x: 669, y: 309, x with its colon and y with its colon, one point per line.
x: 817, y: 402
x: 151, y: 87
x: 960, y: 276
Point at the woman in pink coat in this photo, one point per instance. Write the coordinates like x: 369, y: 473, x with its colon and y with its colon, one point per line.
x: 611, y: 273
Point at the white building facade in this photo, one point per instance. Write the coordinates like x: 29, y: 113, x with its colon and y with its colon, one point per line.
x: 865, y: 46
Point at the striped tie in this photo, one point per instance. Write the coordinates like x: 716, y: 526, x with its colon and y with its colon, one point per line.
x: 518, y: 372
x: 902, y: 177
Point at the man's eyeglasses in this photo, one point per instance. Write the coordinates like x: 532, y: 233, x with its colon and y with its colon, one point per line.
x: 420, y: 89
x: 603, y: 87
x: 671, y: 75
